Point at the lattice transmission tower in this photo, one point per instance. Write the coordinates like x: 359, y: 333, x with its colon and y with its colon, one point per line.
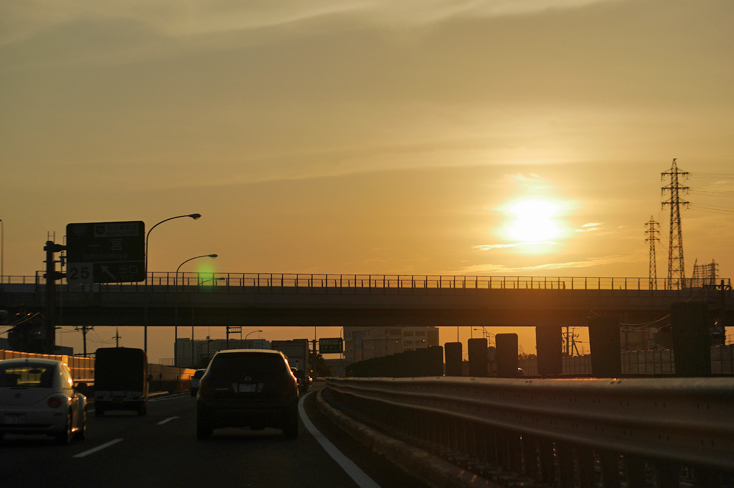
x: 652, y: 231
x: 676, y: 267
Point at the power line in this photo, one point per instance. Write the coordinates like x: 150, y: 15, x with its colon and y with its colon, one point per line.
x: 712, y: 176
x: 701, y: 207
x: 714, y: 193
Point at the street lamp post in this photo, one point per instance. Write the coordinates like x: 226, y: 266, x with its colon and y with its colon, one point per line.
x: 486, y: 335
x: 191, y: 259
x: 2, y: 251
x: 194, y: 216
x: 175, y: 319
x: 248, y: 335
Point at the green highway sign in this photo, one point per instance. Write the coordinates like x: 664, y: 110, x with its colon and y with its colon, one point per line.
x: 105, y: 252
x: 331, y: 346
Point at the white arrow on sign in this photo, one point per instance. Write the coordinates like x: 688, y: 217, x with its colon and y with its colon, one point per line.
x: 106, y: 269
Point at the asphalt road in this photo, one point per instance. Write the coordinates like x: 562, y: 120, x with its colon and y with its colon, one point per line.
x: 161, y: 450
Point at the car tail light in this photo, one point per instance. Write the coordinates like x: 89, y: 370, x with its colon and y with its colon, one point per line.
x: 205, y: 388
x: 54, y: 402
x: 290, y: 388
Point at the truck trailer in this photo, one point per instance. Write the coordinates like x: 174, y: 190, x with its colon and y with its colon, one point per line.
x: 297, y: 352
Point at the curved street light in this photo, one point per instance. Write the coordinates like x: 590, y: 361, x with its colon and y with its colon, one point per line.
x: 191, y: 259
x: 194, y: 216
x: 175, y: 319
x: 248, y: 335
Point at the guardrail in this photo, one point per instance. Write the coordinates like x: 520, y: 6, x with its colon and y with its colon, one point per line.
x: 82, y: 369
x: 558, y: 432
x: 164, y: 378
x: 350, y: 283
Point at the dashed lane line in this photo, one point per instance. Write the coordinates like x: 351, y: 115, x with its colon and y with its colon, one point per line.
x: 98, y: 448
x: 166, y: 420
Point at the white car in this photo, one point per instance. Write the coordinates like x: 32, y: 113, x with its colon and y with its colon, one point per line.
x: 195, y: 380
x: 37, y: 396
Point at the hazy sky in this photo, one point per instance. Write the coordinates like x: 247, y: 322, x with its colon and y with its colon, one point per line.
x: 374, y: 137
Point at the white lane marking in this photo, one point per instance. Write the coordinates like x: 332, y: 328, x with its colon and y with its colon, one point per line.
x: 166, y: 396
x: 166, y: 421
x: 359, y: 476
x: 98, y: 448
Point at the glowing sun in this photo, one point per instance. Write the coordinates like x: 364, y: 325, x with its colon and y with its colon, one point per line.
x: 533, y: 221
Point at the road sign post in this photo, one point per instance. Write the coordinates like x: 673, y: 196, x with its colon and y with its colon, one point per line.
x: 105, y: 252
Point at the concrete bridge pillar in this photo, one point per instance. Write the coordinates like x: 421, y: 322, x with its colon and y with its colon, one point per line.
x: 689, y: 322
x: 478, y: 364
x: 549, y: 344
x: 506, y: 355
x: 435, y: 361
x: 454, y: 358
x: 605, y: 345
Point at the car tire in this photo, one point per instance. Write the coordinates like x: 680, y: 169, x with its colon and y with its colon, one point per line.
x: 81, y: 429
x: 65, y: 436
x: 203, y: 429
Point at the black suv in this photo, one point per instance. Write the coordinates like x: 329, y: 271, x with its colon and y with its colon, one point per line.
x: 252, y: 388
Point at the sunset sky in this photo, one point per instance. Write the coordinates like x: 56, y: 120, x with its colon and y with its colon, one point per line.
x: 496, y: 137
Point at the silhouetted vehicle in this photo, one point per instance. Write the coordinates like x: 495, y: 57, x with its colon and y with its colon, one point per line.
x: 121, y: 380
x: 195, y: 381
x: 252, y: 388
x: 303, y: 380
x: 37, y: 396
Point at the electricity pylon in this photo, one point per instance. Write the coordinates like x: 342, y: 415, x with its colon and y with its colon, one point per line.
x: 676, y: 268
x: 652, y: 232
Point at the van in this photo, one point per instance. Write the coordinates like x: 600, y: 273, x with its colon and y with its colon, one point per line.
x: 121, y: 380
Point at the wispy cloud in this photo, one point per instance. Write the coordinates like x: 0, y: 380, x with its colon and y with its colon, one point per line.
x: 523, y: 178
x: 489, y: 247
x: 590, y: 227
x: 588, y: 263
x: 23, y: 18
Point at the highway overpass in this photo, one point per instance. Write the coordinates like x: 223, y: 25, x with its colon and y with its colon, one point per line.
x: 269, y: 299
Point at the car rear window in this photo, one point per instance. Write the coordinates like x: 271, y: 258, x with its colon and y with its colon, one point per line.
x: 251, y: 364
x: 27, y: 375
x: 199, y: 373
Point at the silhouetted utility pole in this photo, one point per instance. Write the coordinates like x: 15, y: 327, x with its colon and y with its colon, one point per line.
x: 676, y: 268
x: 84, y: 329
x: 652, y: 232
x: 117, y: 337
x: 570, y: 342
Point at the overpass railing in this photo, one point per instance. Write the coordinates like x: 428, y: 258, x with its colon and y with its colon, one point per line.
x: 368, y: 283
x: 574, y: 432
